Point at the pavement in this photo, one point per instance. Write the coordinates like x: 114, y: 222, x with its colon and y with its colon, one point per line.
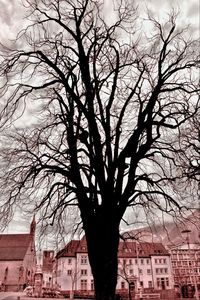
x: 18, y: 296
x: 22, y: 296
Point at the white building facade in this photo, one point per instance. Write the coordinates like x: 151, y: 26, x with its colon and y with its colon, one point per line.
x: 141, y: 266
x: 144, y: 266
x: 185, y: 260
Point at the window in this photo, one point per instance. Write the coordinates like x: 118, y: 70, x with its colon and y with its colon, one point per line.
x: 148, y: 261
x: 165, y: 270
x: 122, y: 285
x: 164, y: 260
x: 69, y: 272
x: 69, y: 261
x: 92, y: 285
x: 83, y: 284
x: 156, y: 261
x: 130, y: 261
x: 162, y: 282
x: 150, y: 284
x: 140, y: 271
x: 141, y: 283
x: 131, y: 271
x: 132, y: 286
x: 148, y: 271
x: 83, y: 260
x: 136, y: 261
x: 158, y: 282
x: 84, y: 272
x: 142, y: 261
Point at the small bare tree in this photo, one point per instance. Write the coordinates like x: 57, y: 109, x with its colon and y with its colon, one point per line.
x: 106, y: 104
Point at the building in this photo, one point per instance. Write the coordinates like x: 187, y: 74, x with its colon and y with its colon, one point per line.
x: 17, y: 259
x: 183, y: 243
x: 67, y: 273
x: 182, y: 240
x: 185, y: 260
x: 144, y: 266
x: 47, y: 268
x: 141, y: 266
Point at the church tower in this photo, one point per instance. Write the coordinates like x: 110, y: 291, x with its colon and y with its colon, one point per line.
x: 33, y: 227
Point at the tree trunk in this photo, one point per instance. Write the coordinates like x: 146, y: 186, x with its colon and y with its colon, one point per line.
x: 102, y: 241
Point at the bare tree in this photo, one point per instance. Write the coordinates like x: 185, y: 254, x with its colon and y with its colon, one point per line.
x: 106, y: 103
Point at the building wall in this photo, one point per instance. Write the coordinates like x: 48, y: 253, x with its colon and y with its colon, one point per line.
x: 186, y: 264
x: 29, y: 264
x: 145, y: 272
x: 66, y: 274
x: 85, y: 277
x: 162, y: 272
x: 16, y: 275
x: 74, y: 273
x: 47, y: 268
x: 11, y: 275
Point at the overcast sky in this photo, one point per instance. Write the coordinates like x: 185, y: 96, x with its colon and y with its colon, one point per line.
x: 12, y: 20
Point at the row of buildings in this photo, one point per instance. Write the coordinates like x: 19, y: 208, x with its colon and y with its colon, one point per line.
x: 140, y: 265
x: 146, y: 266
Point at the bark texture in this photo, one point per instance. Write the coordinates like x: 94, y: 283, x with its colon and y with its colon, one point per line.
x: 103, y: 240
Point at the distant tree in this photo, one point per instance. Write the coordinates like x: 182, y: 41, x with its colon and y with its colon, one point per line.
x: 91, y: 109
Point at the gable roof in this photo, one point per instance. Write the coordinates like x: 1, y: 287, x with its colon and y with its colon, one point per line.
x: 69, y: 250
x: 125, y: 249
x: 14, y: 246
x: 142, y: 249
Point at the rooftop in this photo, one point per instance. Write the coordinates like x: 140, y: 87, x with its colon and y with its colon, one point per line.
x: 126, y: 249
x: 13, y: 246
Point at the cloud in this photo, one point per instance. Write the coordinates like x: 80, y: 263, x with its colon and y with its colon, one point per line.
x: 11, y: 20
x: 193, y: 10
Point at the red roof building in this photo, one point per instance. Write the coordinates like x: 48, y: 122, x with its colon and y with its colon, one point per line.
x: 17, y: 259
x: 144, y: 265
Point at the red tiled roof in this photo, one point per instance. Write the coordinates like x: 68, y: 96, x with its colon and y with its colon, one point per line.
x: 69, y: 250
x: 126, y: 249
x: 14, y: 246
x: 142, y: 249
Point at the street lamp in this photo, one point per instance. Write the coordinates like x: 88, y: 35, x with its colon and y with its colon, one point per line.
x: 187, y: 232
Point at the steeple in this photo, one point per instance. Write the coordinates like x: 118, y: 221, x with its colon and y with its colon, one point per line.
x: 33, y: 226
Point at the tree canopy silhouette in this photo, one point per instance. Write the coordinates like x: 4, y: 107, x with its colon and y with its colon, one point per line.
x: 92, y: 111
